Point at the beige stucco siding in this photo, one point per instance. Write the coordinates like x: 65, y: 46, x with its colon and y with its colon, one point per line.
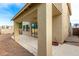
x: 57, y: 28
x: 65, y: 21
x: 58, y: 6
x: 61, y: 24
x: 16, y: 31
x: 53, y: 21
x: 45, y: 29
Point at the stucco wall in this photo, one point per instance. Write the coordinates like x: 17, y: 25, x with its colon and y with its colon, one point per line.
x: 45, y: 29
x: 65, y: 21
x: 16, y: 31
x: 57, y: 29
x: 61, y: 24
x: 46, y: 23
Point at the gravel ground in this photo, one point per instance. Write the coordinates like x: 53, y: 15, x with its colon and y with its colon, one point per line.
x: 8, y: 47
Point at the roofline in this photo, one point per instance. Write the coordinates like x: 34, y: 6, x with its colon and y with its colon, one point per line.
x: 26, y: 6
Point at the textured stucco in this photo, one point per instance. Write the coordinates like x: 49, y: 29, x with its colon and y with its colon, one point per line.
x: 50, y: 27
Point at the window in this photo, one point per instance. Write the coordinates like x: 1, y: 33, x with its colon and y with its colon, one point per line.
x: 34, y: 29
x: 27, y: 27
x: 23, y: 27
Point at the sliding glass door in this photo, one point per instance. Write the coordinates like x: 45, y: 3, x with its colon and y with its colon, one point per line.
x: 34, y: 29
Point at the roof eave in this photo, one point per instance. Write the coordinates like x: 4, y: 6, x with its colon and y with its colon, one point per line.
x: 26, y: 6
x: 69, y: 8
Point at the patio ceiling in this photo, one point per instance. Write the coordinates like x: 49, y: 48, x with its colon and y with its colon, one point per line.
x: 55, y: 10
x: 31, y: 15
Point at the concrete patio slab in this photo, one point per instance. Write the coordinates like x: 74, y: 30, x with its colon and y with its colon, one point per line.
x: 30, y: 43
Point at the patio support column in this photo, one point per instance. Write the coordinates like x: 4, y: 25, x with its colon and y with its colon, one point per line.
x: 16, y: 30
x: 45, y: 29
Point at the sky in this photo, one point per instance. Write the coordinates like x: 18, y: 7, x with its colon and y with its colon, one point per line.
x: 75, y: 13
x: 8, y: 11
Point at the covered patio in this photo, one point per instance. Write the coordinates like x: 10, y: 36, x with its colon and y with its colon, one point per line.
x: 49, y: 18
